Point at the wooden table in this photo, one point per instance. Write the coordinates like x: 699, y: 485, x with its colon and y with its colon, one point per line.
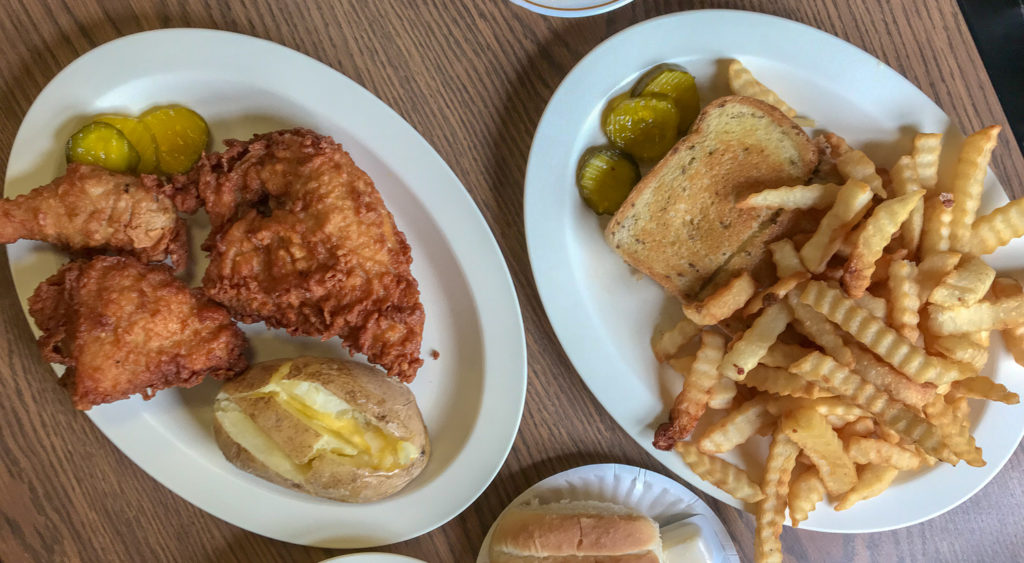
x: 473, y: 78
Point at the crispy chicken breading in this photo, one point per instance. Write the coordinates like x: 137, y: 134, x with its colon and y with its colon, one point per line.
x: 123, y: 328
x: 90, y: 208
x: 301, y: 239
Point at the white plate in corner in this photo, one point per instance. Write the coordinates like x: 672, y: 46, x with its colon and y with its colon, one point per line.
x: 243, y: 85
x: 604, y: 314
x: 646, y: 492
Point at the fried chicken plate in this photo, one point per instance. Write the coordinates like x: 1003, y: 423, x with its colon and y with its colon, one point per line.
x: 301, y: 239
x: 91, y: 208
x: 123, y: 328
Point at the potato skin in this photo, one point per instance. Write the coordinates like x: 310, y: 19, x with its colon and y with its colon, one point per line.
x: 387, y: 402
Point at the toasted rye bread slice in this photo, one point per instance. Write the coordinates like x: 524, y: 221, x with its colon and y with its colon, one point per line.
x: 680, y: 225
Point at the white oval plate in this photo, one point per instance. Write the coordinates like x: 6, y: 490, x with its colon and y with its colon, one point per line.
x: 652, y: 494
x: 243, y: 85
x: 372, y: 558
x: 604, y: 314
x: 570, y: 8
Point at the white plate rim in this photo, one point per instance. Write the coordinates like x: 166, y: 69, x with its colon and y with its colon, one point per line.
x: 469, y: 237
x: 562, y: 301
x: 549, y: 8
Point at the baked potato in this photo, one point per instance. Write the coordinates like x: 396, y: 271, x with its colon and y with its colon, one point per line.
x: 330, y: 428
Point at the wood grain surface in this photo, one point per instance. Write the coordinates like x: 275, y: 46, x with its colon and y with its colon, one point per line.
x: 473, y: 77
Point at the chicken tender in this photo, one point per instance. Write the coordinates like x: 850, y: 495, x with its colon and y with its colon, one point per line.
x: 301, y: 240
x: 91, y: 208
x: 123, y: 328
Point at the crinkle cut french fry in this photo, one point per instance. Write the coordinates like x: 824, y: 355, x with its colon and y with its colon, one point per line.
x: 805, y: 492
x: 826, y: 406
x: 668, y: 344
x: 692, y: 401
x: 748, y: 350
x: 1013, y: 338
x: 851, y: 204
x: 938, y: 216
x: 722, y: 394
x: 927, y: 148
x: 737, y: 426
x: 905, y: 298
x: 855, y: 165
x: 873, y: 450
x: 962, y: 349
x: 781, y: 382
x: 819, y: 441
x: 819, y: 330
x: 965, y: 285
x: 725, y: 301
x: 877, y: 306
x: 932, y: 269
x: 888, y: 379
x: 905, y: 181
x: 998, y: 228
x: 771, y: 511
x: 881, y: 339
x: 775, y: 292
x: 813, y: 196
x: 786, y: 259
x: 968, y: 184
x: 881, y: 273
x: 782, y: 355
x: 981, y: 387
x: 720, y: 473
x: 861, y: 426
x: 871, y: 481
x: 1000, y: 314
x: 955, y: 430
x: 839, y: 379
x: 743, y: 83
x: 878, y: 230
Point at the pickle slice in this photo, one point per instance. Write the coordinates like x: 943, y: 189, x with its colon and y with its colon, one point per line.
x: 140, y: 137
x: 646, y: 127
x: 181, y: 137
x: 605, y: 177
x: 681, y: 87
x: 103, y: 145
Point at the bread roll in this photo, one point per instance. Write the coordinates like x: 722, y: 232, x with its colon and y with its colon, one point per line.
x: 575, y: 532
x: 330, y: 428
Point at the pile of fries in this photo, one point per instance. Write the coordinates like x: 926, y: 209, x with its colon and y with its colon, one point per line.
x: 860, y: 358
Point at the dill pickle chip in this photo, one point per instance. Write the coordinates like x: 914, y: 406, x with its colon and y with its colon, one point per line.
x: 140, y: 137
x: 605, y: 177
x: 646, y: 127
x: 681, y: 87
x: 103, y: 145
x: 181, y: 137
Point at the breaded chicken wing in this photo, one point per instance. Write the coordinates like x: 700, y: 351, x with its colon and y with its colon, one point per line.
x: 301, y: 239
x: 90, y: 208
x: 122, y: 327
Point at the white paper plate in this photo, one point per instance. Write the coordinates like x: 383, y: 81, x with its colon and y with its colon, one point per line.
x: 604, y: 314
x: 471, y: 397
x: 372, y: 558
x: 570, y: 8
x: 646, y: 492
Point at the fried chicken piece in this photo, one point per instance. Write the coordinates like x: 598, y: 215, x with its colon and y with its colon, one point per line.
x: 91, y: 208
x: 301, y: 239
x: 123, y: 327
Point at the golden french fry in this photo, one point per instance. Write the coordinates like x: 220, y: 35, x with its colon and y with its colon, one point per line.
x: 954, y: 429
x: 720, y: 473
x: 892, y: 437
x: 722, y: 394
x: 981, y: 387
x: 877, y: 306
x: 878, y: 230
x: 737, y: 426
x: 968, y: 184
x: 819, y: 441
x: 782, y: 355
x: 668, y: 344
x: 905, y: 180
x: 962, y: 349
x: 819, y: 330
x: 905, y: 295
x: 692, y: 401
x: 1013, y: 338
x: 881, y: 339
x: 771, y: 511
x: 781, y: 382
x: 892, y: 382
x: 998, y: 228
x: 851, y: 204
x: 775, y: 292
x: 927, y: 147
x: 836, y: 421
x: 965, y: 285
x: 837, y: 378
x: 787, y: 260
x: 933, y: 269
x: 881, y: 273
x: 725, y: 301
x: 805, y: 492
x: 743, y: 83
x: 871, y: 481
x: 862, y: 426
x: 1000, y: 314
x: 826, y: 406
x: 814, y: 196
x: 938, y: 216
x: 855, y: 165
x: 748, y: 350
x: 879, y: 452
